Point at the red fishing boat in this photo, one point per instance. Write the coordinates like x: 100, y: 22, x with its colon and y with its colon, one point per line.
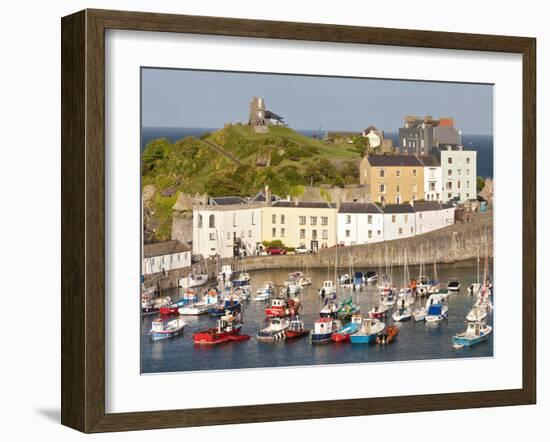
x: 169, y: 310
x: 296, y: 328
x: 281, y: 307
x: 228, y: 329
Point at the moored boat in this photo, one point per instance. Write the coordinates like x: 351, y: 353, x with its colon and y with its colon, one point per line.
x: 296, y: 328
x: 329, y: 310
x: 166, y: 329
x: 228, y: 328
x: 358, y: 280
x: 265, y: 291
x: 209, y: 299
x: 193, y: 280
x: 370, y: 329
x: 475, y: 333
x: 281, y: 307
x: 230, y: 303
x: 387, y: 336
x: 323, y: 329
x: 328, y: 290
x: 378, y: 311
x: 453, y: 285
x: 437, y: 313
x: 275, y: 330
x: 343, y: 335
x: 371, y: 276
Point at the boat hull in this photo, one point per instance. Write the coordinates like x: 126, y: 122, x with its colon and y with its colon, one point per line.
x: 220, y: 311
x: 321, y: 338
x: 212, y: 336
x: 468, y: 342
x: 363, y: 339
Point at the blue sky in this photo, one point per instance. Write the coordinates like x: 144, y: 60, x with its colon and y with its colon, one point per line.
x: 184, y: 98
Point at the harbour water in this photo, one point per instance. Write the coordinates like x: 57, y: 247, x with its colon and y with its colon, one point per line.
x: 416, y: 340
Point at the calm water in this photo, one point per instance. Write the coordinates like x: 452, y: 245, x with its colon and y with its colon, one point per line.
x: 416, y: 341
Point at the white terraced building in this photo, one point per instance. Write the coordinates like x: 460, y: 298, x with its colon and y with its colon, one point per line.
x: 360, y: 223
x: 228, y: 227
x: 431, y: 215
x: 399, y: 221
x: 165, y: 256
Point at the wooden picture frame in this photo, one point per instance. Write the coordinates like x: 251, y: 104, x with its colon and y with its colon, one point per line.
x: 83, y: 219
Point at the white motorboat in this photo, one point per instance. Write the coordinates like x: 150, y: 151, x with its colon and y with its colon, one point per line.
x: 209, y: 299
x: 193, y: 280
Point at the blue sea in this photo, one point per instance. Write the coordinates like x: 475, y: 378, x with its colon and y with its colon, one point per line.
x: 483, y: 144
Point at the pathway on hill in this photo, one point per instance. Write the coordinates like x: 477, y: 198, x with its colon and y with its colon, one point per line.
x: 223, y: 152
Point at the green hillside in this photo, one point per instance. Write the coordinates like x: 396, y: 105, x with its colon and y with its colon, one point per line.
x: 237, y: 161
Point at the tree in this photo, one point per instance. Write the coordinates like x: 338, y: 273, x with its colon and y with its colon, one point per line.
x: 480, y: 183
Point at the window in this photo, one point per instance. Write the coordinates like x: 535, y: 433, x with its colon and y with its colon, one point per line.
x: 242, y: 233
x: 449, y: 195
x: 199, y: 222
x: 414, y: 172
x: 212, y: 237
x: 414, y: 198
x: 302, y: 220
x: 324, y: 220
x: 347, y: 233
x: 449, y: 172
x: 420, y: 215
x: 458, y: 184
x: 348, y: 219
x: 397, y: 199
x: 404, y: 142
x: 467, y: 172
x: 467, y: 160
x: 212, y: 221
x: 459, y: 172
x: 432, y: 186
x: 325, y: 234
x: 393, y: 218
x: 253, y: 223
x: 282, y: 233
x: 398, y: 173
x: 382, y: 188
x: 381, y: 173
x: 302, y: 233
x: 369, y: 219
x: 273, y: 231
x: 370, y: 233
x: 467, y: 184
x: 449, y: 185
x: 400, y: 230
x: 378, y: 233
x: 273, y: 219
x: 467, y: 195
x: 412, y: 229
x: 228, y: 236
x: 382, y: 199
x: 313, y: 220
x: 314, y: 234
x: 449, y: 160
x: 397, y: 188
x: 282, y: 219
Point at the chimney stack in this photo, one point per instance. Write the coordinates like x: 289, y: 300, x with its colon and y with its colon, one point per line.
x: 267, y: 196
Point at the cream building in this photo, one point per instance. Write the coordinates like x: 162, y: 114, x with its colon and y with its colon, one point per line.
x: 300, y: 223
x: 459, y: 173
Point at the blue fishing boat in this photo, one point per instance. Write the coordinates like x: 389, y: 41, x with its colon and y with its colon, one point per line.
x: 231, y: 303
x: 475, y: 333
x: 343, y: 335
x: 370, y: 329
x: 323, y: 329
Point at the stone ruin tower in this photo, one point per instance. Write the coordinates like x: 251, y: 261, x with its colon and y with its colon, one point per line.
x: 256, y: 117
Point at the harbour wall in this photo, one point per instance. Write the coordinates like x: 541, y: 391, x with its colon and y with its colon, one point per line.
x: 458, y: 242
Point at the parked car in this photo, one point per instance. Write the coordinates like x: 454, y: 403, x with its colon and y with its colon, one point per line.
x: 276, y: 251
x: 302, y: 250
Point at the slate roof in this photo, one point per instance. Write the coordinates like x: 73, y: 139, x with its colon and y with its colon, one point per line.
x: 398, y: 208
x: 394, y: 160
x: 447, y: 206
x: 359, y: 208
x: 260, y: 197
x: 269, y: 114
x: 164, y: 248
x: 425, y: 206
x: 305, y: 204
x: 226, y: 200
x: 429, y: 160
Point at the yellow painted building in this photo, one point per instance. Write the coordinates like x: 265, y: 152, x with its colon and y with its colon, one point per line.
x: 392, y: 179
x: 309, y: 224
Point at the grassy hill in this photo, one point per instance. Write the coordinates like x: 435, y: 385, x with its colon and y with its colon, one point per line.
x: 237, y: 161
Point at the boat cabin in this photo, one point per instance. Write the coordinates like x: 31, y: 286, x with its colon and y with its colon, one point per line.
x: 323, y: 326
